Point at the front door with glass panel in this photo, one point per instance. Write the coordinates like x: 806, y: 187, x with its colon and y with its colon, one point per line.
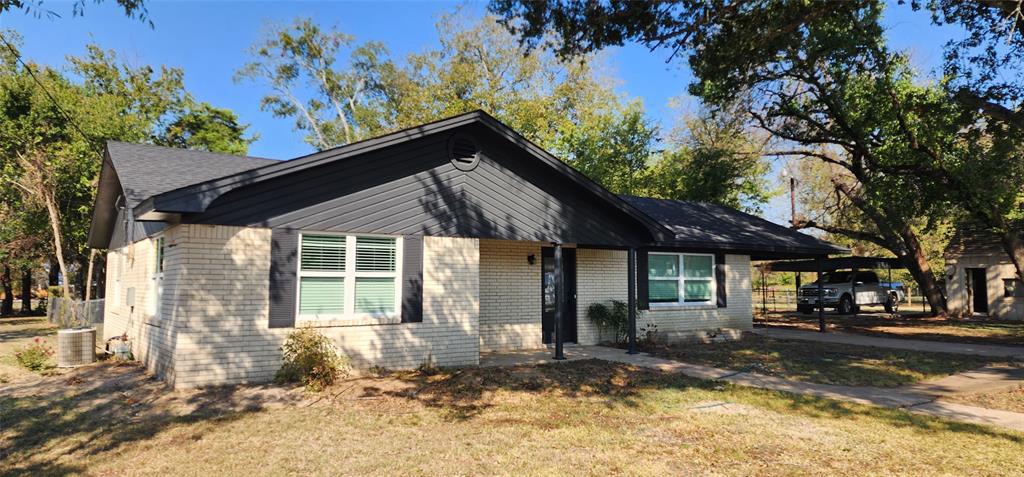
x: 548, y: 295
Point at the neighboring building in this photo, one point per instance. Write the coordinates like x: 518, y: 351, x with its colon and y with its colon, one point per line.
x: 980, y: 278
x: 434, y: 243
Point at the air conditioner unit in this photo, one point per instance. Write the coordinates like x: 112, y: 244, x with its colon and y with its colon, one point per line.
x: 76, y: 347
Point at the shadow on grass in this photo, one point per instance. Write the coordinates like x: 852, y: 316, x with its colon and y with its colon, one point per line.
x: 993, y: 332
x: 463, y: 394
x: 824, y: 363
x: 97, y: 409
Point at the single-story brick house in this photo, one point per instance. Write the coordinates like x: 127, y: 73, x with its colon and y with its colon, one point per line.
x: 434, y: 243
x: 981, y: 280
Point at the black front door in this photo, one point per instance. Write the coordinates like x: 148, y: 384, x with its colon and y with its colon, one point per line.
x: 978, y: 285
x: 547, y: 288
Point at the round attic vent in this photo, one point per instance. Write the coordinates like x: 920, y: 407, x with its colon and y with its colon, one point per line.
x: 463, y: 152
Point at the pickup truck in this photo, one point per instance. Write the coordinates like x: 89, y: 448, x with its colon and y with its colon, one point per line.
x: 838, y: 288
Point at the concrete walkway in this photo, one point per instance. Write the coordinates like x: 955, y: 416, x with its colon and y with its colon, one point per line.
x: 920, y: 398
x: 991, y: 351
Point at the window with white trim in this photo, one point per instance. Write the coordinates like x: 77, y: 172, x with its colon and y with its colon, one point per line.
x: 680, y: 279
x: 156, y: 298
x: 345, y: 277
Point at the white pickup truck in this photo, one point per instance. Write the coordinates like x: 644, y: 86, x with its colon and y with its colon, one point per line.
x: 846, y: 292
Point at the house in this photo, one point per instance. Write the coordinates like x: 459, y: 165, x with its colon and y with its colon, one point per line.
x: 980, y: 278
x: 431, y: 244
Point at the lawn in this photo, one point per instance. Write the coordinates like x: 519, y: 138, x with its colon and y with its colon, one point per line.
x: 976, y: 331
x: 1011, y: 400
x: 589, y: 417
x: 824, y: 363
x: 16, y: 333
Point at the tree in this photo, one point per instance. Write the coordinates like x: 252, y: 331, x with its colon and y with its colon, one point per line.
x: 359, y: 92
x: 44, y: 113
x: 818, y: 76
x: 207, y: 128
x: 289, y: 58
x: 716, y: 158
x: 132, y: 8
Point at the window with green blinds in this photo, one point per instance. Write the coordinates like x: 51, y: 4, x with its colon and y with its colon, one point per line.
x: 323, y: 253
x: 375, y: 295
x: 676, y: 278
x: 322, y: 295
x: 348, y: 276
x: 375, y: 254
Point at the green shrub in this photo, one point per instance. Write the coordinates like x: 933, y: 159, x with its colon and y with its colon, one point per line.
x: 311, y: 359
x: 614, y: 318
x: 36, y: 356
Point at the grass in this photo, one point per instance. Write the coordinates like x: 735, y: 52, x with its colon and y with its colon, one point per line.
x: 824, y: 363
x: 16, y: 333
x: 975, y: 331
x: 589, y: 417
x: 1011, y: 400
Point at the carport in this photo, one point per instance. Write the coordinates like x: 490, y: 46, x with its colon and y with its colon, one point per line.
x: 822, y: 265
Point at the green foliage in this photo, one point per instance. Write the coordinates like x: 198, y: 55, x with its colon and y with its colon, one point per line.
x: 36, y: 356
x: 106, y: 99
x: 614, y: 318
x: 207, y: 128
x: 311, y: 359
x: 714, y: 158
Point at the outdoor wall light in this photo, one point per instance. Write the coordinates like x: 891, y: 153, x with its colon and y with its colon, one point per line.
x: 531, y: 259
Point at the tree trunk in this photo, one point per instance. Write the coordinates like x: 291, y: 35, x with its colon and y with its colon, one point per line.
x: 88, y: 276
x: 26, y: 291
x: 1014, y: 247
x: 7, y: 307
x: 53, y: 278
x: 921, y: 270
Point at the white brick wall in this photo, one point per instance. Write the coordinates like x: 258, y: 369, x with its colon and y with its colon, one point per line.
x: 510, y: 297
x: 602, y: 278
x: 152, y: 339
x: 218, y: 291
x: 477, y: 294
x: 996, y: 269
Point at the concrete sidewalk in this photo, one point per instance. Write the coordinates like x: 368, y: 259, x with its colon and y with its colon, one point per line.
x: 991, y: 351
x: 920, y: 399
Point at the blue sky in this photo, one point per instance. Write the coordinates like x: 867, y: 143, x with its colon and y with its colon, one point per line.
x: 209, y: 41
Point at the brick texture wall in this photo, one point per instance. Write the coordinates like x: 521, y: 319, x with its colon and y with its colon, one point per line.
x: 510, y: 297
x: 216, y: 300
x: 996, y: 270
x: 602, y: 278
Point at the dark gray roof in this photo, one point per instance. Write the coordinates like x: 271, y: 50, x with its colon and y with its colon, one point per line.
x: 145, y: 170
x: 711, y: 226
x: 976, y: 240
x: 838, y: 263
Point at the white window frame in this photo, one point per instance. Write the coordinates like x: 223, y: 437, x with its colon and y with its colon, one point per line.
x: 681, y: 279
x: 350, y: 275
x: 118, y: 274
x: 157, y: 295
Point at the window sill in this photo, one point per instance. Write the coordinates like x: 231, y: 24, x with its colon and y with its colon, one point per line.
x: 682, y: 306
x: 315, y: 323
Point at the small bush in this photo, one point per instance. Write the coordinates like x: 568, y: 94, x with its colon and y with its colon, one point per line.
x: 614, y: 318
x: 36, y: 356
x: 311, y: 359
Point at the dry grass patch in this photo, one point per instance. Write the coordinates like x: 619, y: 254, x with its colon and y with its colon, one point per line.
x: 976, y: 331
x: 1011, y: 400
x: 824, y: 363
x: 589, y: 417
x: 17, y: 333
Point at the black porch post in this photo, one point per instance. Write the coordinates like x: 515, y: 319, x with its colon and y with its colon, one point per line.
x: 796, y: 298
x: 821, y: 298
x: 853, y: 291
x: 631, y: 297
x: 559, y: 301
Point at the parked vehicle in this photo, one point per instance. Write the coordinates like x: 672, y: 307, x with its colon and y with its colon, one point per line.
x: 846, y: 292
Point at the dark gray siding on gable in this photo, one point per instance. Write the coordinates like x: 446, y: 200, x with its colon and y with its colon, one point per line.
x: 131, y: 231
x: 413, y: 189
